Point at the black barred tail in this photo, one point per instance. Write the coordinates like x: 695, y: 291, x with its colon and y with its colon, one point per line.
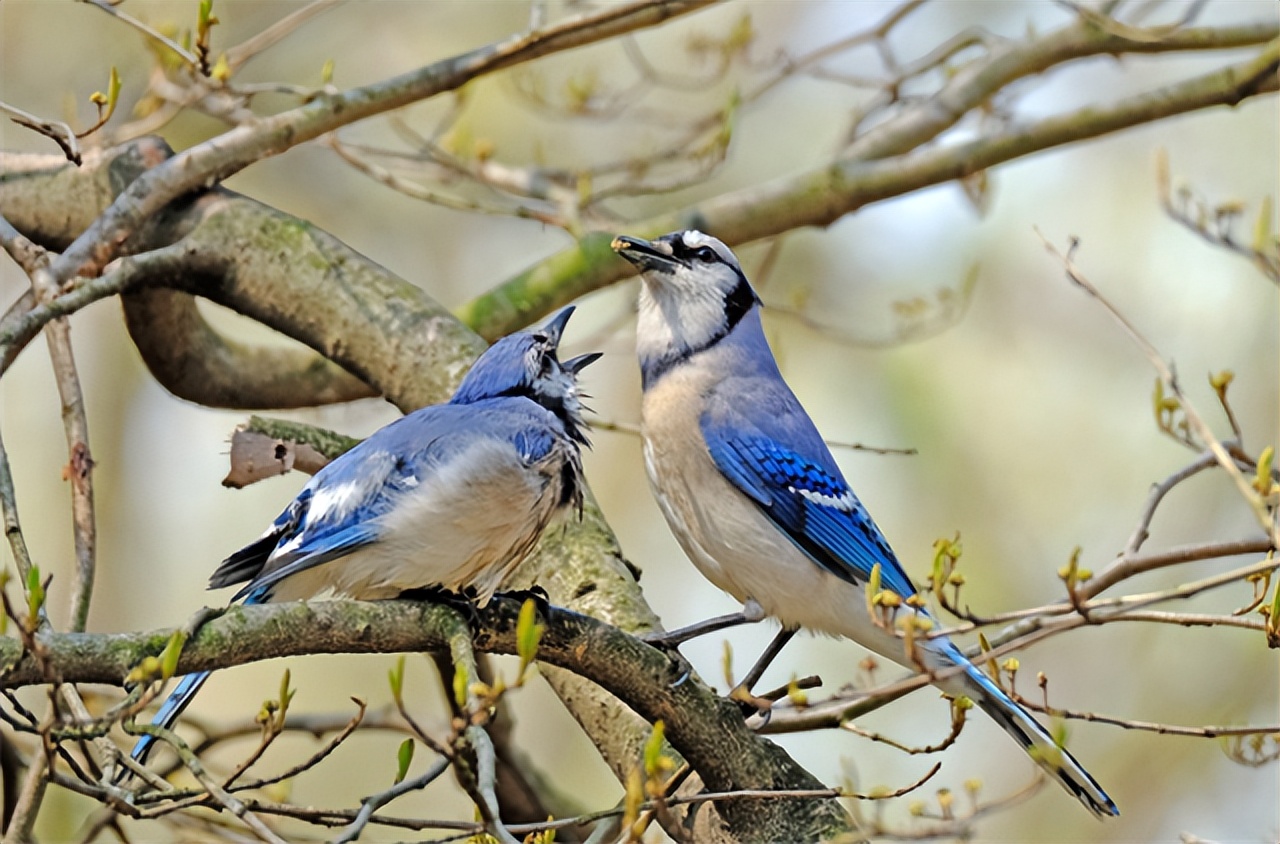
x: 1036, y: 740
x: 169, y: 712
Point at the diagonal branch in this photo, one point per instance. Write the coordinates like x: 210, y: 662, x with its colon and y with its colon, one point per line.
x: 232, y: 151
x: 823, y: 195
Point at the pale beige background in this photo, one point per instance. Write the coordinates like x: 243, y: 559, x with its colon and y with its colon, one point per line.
x: 1032, y: 415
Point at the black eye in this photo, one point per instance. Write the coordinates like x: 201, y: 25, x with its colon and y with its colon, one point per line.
x: 706, y: 253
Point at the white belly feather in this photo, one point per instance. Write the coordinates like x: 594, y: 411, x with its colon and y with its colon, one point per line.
x: 470, y: 524
x: 726, y: 535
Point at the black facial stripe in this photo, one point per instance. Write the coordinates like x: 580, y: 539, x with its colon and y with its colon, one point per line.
x: 680, y: 250
x: 740, y: 300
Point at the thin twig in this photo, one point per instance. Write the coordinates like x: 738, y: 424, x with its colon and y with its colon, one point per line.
x: 1202, y: 429
x: 371, y: 804
x: 246, y: 50
x: 187, y: 57
x: 57, y: 131
x: 36, y: 262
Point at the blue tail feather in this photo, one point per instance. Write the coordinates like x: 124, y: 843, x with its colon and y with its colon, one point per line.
x: 169, y: 712
x: 1034, y: 738
x: 183, y: 694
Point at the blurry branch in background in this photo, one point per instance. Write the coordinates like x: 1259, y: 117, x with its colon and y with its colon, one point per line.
x: 895, y: 156
x: 1217, y: 223
x: 1264, y: 498
x: 228, y: 153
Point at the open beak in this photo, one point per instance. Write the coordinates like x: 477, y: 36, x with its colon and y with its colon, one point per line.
x: 575, y: 365
x: 645, y: 254
x: 554, y: 327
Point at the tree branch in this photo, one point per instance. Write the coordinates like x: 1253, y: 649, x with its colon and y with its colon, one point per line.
x: 705, y: 728
x: 823, y: 195
x: 228, y: 153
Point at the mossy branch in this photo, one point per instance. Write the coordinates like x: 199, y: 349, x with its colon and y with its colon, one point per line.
x: 706, y: 729
x: 824, y: 194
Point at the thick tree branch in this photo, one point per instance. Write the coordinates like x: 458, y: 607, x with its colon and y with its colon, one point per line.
x: 267, y: 265
x: 823, y: 195
x: 706, y: 729
x: 194, y: 361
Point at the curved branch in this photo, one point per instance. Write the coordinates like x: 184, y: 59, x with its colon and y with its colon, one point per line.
x: 267, y: 265
x: 232, y: 151
x: 823, y: 195
x: 706, y: 729
x: 192, y: 360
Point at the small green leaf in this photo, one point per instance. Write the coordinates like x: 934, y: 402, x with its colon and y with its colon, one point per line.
x: 1160, y: 405
x: 145, y: 671
x: 795, y: 694
x: 985, y: 646
x: 1262, y: 227
x: 404, y: 757
x: 106, y: 103
x: 1221, y: 380
x: 326, y: 72
x: 205, y: 19
x: 1273, y: 619
x: 1262, y: 479
x: 5, y: 577
x: 460, y: 683
x: 286, y: 695
x: 873, y: 589
x: 653, y: 750
x: 740, y: 37
x: 396, y: 677
x: 35, y: 596
x: 221, y: 70
x: 169, y: 656
x: 528, y: 634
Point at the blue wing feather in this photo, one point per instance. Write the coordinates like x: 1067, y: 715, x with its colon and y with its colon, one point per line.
x: 322, y: 525
x: 315, y: 551
x: 811, y: 504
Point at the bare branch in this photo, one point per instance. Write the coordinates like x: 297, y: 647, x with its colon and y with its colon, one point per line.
x: 1265, y: 519
x: 822, y: 195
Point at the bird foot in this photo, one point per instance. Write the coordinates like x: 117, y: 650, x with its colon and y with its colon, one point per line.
x: 750, y: 704
x: 535, y: 593
x: 464, y: 602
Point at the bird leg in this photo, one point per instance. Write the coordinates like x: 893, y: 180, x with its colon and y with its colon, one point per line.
x: 742, y: 692
x: 751, y: 613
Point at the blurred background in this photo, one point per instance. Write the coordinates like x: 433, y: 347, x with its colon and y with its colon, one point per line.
x: 1029, y: 409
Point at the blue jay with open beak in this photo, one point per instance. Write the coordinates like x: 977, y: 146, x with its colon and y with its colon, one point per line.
x: 454, y: 495
x: 754, y: 496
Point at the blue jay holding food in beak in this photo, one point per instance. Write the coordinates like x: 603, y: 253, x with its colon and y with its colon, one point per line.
x: 754, y: 496
x: 454, y: 495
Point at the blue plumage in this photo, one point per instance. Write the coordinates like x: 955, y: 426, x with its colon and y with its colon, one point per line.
x: 812, y: 505
x: 452, y: 495
x: 753, y: 494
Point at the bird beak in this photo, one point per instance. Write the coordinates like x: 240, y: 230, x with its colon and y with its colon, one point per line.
x: 645, y: 254
x: 554, y: 327
x: 575, y: 365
